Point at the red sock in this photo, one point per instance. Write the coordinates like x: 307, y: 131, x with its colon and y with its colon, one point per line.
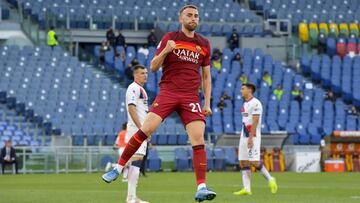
x: 132, y: 146
x: 199, y: 163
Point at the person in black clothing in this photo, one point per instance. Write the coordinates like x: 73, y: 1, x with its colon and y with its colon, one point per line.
x: 330, y: 96
x: 216, y: 55
x: 109, y: 34
x: 120, y: 56
x: 353, y: 111
x: 234, y: 40
x: 225, y: 96
x: 104, y: 48
x: 129, y: 69
x: 322, y: 43
x: 152, y: 40
x: 120, y: 40
x: 221, y: 105
x: 237, y: 57
x: 111, y: 38
x: 8, y: 157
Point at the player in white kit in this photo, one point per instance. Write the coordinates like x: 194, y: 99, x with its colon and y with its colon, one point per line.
x: 137, y: 108
x: 250, y: 140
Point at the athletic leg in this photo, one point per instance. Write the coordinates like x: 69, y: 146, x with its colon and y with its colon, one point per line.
x: 246, y: 174
x: 195, y: 131
x: 254, y: 157
x: 164, y: 104
x: 244, y: 167
x: 133, y: 178
x: 134, y: 174
x: 151, y: 123
x: 193, y: 119
x: 261, y: 168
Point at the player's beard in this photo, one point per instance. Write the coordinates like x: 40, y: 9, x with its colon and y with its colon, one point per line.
x: 190, y: 26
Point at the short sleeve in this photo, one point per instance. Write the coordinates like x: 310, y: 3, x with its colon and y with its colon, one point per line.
x: 257, y: 109
x: 132, y: 95
x: 162, y: 43
x: 206, y: 61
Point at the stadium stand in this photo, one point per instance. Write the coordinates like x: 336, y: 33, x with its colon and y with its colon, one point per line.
x: 20, y: 131
x: 338, y: 75
x: 123, y: 13
x: 61, y: 90
x: 247, y: 30
x: 340, y: 41
x: 287, y: 114
x: 320, y: 11
x: 70, y: 95
x: 281, y: 115
x: 50, y: 88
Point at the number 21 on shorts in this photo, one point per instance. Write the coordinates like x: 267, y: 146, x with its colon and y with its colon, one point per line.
x: 195, y: 107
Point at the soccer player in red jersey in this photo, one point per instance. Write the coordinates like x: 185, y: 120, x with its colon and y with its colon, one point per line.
x: 181, y: 54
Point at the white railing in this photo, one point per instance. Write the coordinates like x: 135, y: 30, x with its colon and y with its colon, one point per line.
x: 64, y: 159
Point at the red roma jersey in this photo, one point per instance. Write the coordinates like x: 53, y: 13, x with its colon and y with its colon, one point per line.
x: 181, y: 67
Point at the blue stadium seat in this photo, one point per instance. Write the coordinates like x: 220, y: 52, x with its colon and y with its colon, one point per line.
x: 154, y: 139
x: 110, y: 140
x: 231, y: 156
x: 172, y: 140
x: 182, y: 139
x: 182, y: 160
x: 78, y: 140
x: 304, y: 137
x: 153, y: 161
x: 210, y: 159
x: 220, y: 159
x: 162, y: 139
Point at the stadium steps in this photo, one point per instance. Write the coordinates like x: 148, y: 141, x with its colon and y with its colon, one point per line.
x: 15, y: 118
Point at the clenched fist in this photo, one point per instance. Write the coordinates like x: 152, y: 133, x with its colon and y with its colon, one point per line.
x: 207, y: 111
x: 170, y: 46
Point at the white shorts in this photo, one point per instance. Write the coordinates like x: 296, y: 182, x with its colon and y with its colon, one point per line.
x: 246, y: 154
x: 130, y: 132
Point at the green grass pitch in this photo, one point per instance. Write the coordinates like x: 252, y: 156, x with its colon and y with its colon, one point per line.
x: 179, y: 188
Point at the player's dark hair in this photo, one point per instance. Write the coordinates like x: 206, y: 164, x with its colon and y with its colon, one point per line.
x: 187, y: 6
x: 251, y: 86
x: 137, y: 67
x: 124, y: 126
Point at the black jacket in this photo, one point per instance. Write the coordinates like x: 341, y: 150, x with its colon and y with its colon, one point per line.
x: 12, y: 153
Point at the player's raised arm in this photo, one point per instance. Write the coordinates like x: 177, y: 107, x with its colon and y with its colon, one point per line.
x: 206, y: 85
x: 165, y: 47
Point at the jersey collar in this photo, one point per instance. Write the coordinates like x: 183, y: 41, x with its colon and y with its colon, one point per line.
x: 138, y: 83
x: 249, y: 99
